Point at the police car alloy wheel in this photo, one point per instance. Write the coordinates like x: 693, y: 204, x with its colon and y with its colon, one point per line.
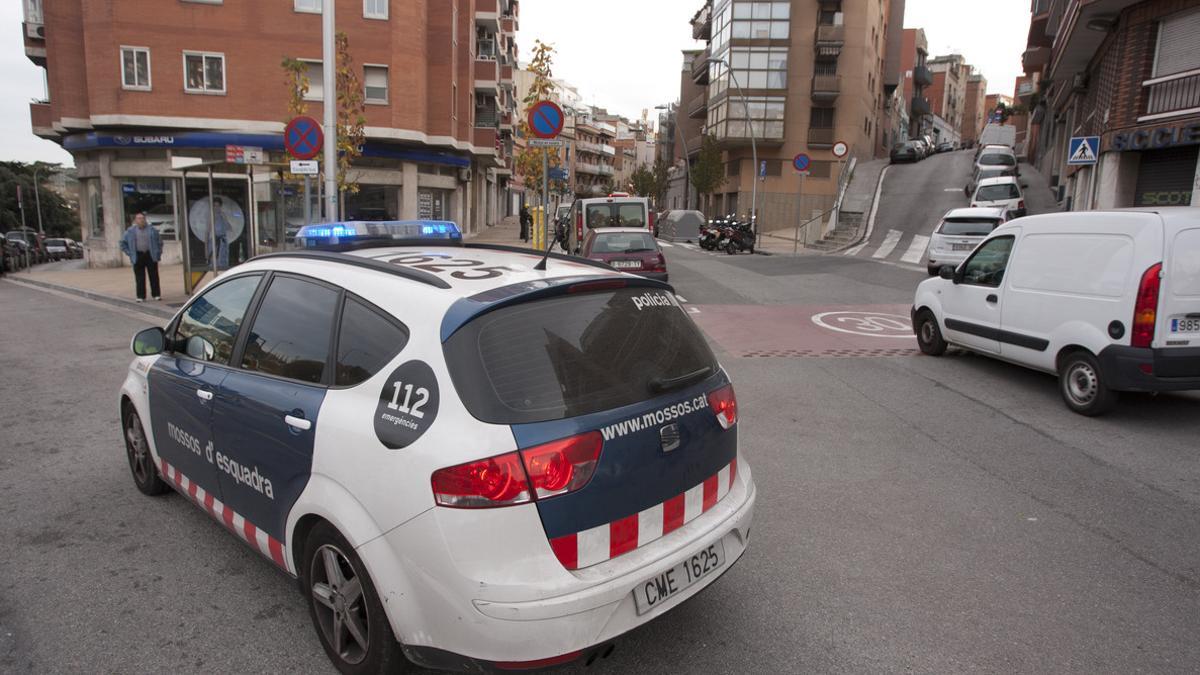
x: 141, y: 464
x: 345, y: 607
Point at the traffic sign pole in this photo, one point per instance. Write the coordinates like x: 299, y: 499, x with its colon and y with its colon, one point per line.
x: 329, y: 73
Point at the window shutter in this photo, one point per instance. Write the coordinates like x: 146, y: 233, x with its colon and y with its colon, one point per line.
x: 1177, y: 40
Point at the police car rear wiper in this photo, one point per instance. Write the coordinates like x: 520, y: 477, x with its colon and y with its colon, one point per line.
x: 664, y: 384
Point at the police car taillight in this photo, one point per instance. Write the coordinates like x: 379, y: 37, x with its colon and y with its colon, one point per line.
x: 724, y: 405
x: 564, y: 465
x: 487, y: 483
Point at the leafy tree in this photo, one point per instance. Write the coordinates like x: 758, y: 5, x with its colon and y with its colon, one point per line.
x: 708, y: 173
x: 59, y: 218
x: 642, y: 181
x: 662, y: 181
x: 529, y: 161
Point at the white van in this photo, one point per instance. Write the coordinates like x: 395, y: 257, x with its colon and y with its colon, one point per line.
x: 1107, y: 300
x: 616, y: 210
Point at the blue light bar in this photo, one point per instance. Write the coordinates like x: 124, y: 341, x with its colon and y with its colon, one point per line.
x: 335, y: 234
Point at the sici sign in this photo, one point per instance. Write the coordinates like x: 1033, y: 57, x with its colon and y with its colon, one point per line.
x: 1156, y: 139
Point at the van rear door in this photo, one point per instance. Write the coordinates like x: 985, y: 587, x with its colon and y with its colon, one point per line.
x: 1179, y: 295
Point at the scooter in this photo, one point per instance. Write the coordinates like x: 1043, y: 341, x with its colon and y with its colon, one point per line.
x: 711, y: 235
x: 741, y: 238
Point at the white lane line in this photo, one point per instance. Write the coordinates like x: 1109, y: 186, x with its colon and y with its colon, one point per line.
x: 951, y: 189
x: 693, y: 310
x: 916, y: 250
x: 663, y: 243
x: 680, y: 298
x: 691, y: 247
x: 889, y: 244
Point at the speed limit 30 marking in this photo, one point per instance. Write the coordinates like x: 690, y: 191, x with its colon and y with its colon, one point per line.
x: 866, y: 324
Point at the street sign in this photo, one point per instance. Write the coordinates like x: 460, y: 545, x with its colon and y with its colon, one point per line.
x: 546, y: 119
x: 558, y: 173
x: 801, y: 162
x: 303, y: 137
x: 1083, y: 150
x: 545, y: 142
x: 244, y: 154
x: 306, y: 167
x: 762, y: 169
x: 840, y: 149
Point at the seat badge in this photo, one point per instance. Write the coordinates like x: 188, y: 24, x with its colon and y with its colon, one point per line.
x: 669, y: 436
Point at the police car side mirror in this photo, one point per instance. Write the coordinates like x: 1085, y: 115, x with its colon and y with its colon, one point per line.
x: 149, y: 342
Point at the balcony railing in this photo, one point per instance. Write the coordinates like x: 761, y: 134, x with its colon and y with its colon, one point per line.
x: 830, y: 35
x: 700, y: 67
x: 826, y: 87
x: 698, y: 106
x: 920, y: 106
x: 1173, y: 93
x: 818, y: 136
x: 922, y: 76
x: 487, y: 118
x: 587, y: 167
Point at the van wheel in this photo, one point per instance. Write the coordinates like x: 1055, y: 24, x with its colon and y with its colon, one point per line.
x: 141, y: 462
x: 1083, y: 386
x: 929, y: 335
x: 345, y: 608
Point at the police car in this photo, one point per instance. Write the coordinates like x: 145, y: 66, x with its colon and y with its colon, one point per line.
x: 468, y: 455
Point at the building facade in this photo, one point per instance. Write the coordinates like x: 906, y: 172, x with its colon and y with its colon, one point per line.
x: 914, y: 57
x: 790, y: 78
x: 947, y: 95
x: 975, y: 111
x: 138, y: 89
x: 1128, y: 72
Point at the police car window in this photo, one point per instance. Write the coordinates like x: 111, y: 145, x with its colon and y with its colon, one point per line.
x: 575, y: 355
x: 291, y: 332
x: 367, y: 341
x: 209, y: 327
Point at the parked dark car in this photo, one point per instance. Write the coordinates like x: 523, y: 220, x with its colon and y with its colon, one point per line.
x: 628, y: 249
x: 908, y: 151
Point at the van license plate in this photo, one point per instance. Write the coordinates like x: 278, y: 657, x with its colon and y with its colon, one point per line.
x: 627, y: 264
x: 654, y: 592
x: 1185, y: 325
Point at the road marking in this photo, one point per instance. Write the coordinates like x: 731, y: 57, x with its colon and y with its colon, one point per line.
x: 690, y: 247
x: 889, y: 244
x: 951, y: 189
x: 856, y: 250
x: 680, y: 298
x: 916, y: 250
x: 693, y: 310
x: 663, y: 243
x: 866, y: 324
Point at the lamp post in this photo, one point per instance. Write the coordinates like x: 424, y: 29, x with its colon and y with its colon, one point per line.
x: 753, y: 143
x: 687, y: 162
x: 37, y: 198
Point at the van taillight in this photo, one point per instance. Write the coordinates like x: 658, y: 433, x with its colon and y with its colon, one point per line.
x: 724, y: 405
x: 1145, y: 310
x: 546, y: 470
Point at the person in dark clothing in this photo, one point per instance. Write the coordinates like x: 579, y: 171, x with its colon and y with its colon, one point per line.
x: 526, y: 223
x: 143, y: 245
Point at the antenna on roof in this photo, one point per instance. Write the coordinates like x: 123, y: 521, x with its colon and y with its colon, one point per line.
x: 541, y: 266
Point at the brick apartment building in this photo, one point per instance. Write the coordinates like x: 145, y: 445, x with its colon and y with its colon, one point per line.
x: 1128, y: 72
x: 975, y: 112
x: 135, y: 87
x: 813, y: 73
x: 914, y: 56
x: 947, y: 96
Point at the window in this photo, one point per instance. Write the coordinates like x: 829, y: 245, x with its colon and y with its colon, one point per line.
x: 367, y: 341
x: 204, y: 73
x: 95, y: 206
x: 33, y: 11
x: 291, y: 332
x: 623, y: 242
x: 822, y: 118
x: 316, y: 81
x: 761, y: 20
x: 1176, y: 52
x: 733, y: 168
x: 759, y: 67
x: 375, y: 9
x: 154, y: 197
x: 311, y: 6
x: 208, y: 328
x: 375, y: 81
x: 986, y: 267
x: 135, y: 68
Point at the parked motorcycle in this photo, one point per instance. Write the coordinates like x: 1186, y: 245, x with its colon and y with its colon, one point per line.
x: 710, y: 236
x: 740, y: 238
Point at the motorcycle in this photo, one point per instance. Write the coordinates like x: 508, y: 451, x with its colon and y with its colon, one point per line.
x: 741, y: 238
x: 711, y: 235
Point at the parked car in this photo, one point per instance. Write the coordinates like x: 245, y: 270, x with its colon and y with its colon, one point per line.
x: 34, y: 248
x: 76, y: 248
x: 627, y: 249
x: 163, y: 217
x: 945, y: 146
x: 1003, y: 192
x: 57, y: 249
x: 922, y: 147
x: 987, y: 172
x: 994, y: 158
x: 906, y: 151
x: 18, y: 253
x: 958, y: 234
x: 993, y: 148
x: 1108, y: 301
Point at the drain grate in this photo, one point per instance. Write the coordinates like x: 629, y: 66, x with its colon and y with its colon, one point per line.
x: 829, y: 353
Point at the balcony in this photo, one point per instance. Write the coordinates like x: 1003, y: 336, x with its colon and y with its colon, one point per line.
x: 698, y: 107
x: 700, y: 67
x: 702, y: 23
x: 41, y: 119
x: 1074, y: 43
x: 826, y: 87
x: 1024, y: 89
x: 595, y: 148
x: 605, y: 170
x: 920, y: 106
x: 922, y: 76
x: 820, y: 137
x: 1173, y: 95
x: 587, y: 168
x: 508, y: 24
x: 1034, y: 59
x: 486, y: 140
x: 506, y: 73
x: 694, y: 144
x: 828, y: 35
x: 487, y: 75
x: 487, y: 117
x: 487, y: 13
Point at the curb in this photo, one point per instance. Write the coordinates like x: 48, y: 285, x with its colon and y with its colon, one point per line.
x: 143, y: 307
x: 870, y: 224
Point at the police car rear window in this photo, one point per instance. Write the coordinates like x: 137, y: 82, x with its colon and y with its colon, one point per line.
x: 574, y: 355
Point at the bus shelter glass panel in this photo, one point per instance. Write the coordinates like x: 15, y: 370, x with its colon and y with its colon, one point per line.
x: 228, y: 241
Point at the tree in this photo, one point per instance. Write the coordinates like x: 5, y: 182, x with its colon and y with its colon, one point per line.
x: 58, y: 216
x: 530, y: 160
x: 642, y: 182
x: 662, y: 180
x: 708, y: 173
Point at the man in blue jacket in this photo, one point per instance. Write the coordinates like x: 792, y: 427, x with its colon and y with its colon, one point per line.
x: 142, y: 243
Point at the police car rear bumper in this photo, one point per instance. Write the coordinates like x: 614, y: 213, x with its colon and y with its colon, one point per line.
x: 483, y: 587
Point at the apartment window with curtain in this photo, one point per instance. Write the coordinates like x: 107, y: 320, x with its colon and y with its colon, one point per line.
x: 135, y: 68
x: 375, y: 9
x: 375, y: 84
x: 204, y: 73
x: 310, y: 6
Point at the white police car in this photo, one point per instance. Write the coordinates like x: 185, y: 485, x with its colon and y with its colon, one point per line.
x: 464, y: 459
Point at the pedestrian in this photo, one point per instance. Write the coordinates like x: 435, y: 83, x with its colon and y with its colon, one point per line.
x: 221, y: 229
x: 526, y: 223
x: 143, y: 245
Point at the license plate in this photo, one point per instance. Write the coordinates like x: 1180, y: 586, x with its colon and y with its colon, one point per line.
x: 1185, y: 325
x: 962, y: 247
x: 627, y: 264
x: 655, y: 592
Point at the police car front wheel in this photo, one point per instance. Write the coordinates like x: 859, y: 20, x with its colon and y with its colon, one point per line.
x: 345, y: 607
x: 141, y: 463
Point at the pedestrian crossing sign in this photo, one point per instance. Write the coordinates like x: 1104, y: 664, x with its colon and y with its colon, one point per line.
x: 1083, y: 150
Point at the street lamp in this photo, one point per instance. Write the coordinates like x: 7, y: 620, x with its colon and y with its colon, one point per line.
x: 753, y: 143
x: 37, y: 198
x: 687, y: 162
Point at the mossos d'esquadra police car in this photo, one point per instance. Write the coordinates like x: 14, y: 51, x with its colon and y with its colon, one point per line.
x: 468, y: 455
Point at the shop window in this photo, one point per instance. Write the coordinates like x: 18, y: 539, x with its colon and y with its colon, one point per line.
x: 373, y: 202
x: 375, y: 81
x: 135, y: 68
x: 154, y: 197
x: 204, y: 73
x: 95, y: 205
x: 433, y: 204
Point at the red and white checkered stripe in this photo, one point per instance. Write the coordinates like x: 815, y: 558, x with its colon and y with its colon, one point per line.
x: 605, y: 542
x: 264, y: 543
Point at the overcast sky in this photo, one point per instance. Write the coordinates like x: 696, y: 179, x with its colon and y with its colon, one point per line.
x: 622, y: 54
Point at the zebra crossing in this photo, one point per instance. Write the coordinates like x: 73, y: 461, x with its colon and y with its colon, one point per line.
x: 897, y: 247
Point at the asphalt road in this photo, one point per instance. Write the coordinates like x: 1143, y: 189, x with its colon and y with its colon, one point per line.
x: 914, y: 514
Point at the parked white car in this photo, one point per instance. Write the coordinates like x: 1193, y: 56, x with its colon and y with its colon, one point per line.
x: 1002, y: 192
x: 959, y: 233
x: 1107, y: 300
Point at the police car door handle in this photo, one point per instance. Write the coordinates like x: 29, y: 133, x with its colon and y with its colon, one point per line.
x: 298, y: 423
x: 204, y: 395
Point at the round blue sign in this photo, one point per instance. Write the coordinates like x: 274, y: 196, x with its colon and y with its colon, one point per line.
x: 801, y: 162
x: 546, y: 119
